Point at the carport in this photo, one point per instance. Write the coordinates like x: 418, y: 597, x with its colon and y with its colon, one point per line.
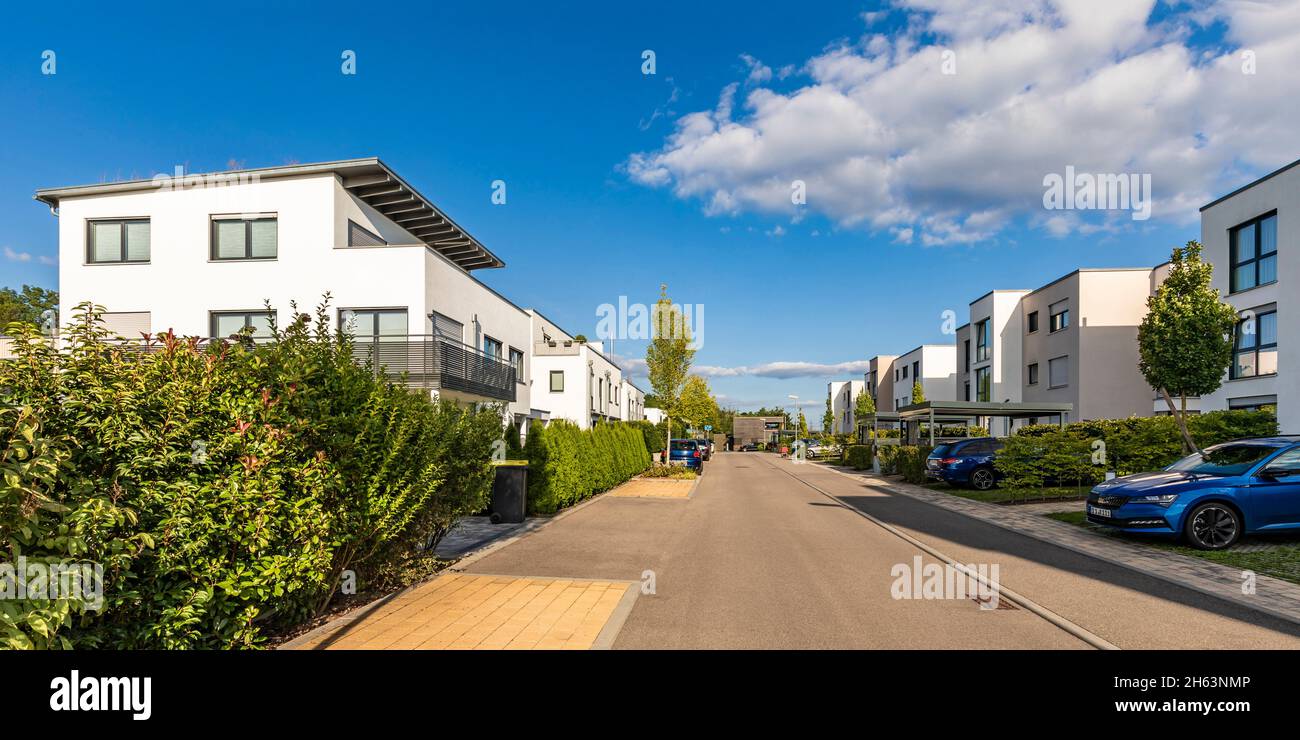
x: 948, y: 411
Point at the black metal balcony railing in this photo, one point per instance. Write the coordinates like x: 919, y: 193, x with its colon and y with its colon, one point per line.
x: 427, y: 362
x: 434, y: 362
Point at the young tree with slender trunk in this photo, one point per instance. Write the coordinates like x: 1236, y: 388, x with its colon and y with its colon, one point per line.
x: 1185, y: 340
x: 668, y: 358
x: 828, y: 418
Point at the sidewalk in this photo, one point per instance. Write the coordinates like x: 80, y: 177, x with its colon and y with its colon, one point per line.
x: 1272, y: 595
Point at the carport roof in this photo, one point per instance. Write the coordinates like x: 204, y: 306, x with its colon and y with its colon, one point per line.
x: 967, y: 409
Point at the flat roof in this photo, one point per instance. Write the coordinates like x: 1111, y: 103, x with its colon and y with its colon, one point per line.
x: 1250, y: 185
x: 1072, y: 273
x: 368, y: 179
x: 1009, y: 409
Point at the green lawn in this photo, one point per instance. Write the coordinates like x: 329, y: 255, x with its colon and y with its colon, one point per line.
x: 1276, y: 555
x: 1002, y: 495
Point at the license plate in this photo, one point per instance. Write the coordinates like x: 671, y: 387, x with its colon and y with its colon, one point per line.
x: 1097, y: 511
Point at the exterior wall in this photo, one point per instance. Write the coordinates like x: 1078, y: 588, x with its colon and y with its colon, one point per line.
x: 1112, y: 306
x: 879, y: 379
x: 843, y: 395
x: 632, y: 407
x: 936, y: 369
x: 1002, y: 308
x: 752, y: 429
x: 1280, y: 192
x: 654, y: 415
x: 962, y: 387
x: 1043, y: 345
x: 587, y: 372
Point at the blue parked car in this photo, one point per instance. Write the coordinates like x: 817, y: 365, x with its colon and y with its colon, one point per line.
x: 968, y: 462
x: 1210, y: 498
x: 686, y: 452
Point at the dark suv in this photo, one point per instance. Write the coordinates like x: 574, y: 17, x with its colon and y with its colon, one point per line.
x: 967, y: 462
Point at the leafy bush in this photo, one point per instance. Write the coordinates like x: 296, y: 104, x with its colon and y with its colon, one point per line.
x: 910, y: 462
x: 669, y: 471
x: 858, y: 457
x: 567, y: 464
x: 226, y: 489
x: 888, y: 456
x: 1054, y: 458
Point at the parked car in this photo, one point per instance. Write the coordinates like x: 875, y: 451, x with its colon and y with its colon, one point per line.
x: 813, y: 448
x: 749, y: 447
x: 1210, y: 498
x: 686, y: 452
x: 966, y: 462
x: 706, y: 448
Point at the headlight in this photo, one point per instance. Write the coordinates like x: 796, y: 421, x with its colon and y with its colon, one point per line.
x: 1163, y: 499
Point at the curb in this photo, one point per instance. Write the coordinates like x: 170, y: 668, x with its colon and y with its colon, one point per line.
x: 1230, y: 597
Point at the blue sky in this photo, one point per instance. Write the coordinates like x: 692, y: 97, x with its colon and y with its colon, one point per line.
x: 920, y: 197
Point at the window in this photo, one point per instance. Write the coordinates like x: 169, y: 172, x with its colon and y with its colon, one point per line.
x: 1033, y: 322
x: 1256, y: 346
x: 982, y: 341
x: 244, y: 238
x: 967, y: 398
x: 1253, y: 403
x: 895, y: 375
x: 557, y: 381
x: 517, y: 361
x: 966, y: 354
x: 916, y: 369
x: 983, y: 384
x: 1252, y: 247
x: 1059, y: 316
x: 382, y: 325
x: 360, y: 236
x: 117, y: 241
x: 1058, y: 372
x: 1033, y: 373
x: 225, y: 323
x: 905, y: 372
x: 491, y: 348
x: 447, y: 328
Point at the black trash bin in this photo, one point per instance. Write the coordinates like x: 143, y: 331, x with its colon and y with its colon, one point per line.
x: 509, y: 494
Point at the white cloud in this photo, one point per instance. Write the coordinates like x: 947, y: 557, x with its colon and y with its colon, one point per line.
x: 13, y: 256
x: 784, y: 370
x: 885, y: 140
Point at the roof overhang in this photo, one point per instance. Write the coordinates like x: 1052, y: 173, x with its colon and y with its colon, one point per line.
x: 971, y: 409
x: 369, y: 180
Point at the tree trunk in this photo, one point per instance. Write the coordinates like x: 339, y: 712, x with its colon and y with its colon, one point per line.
x: 1181, y: 417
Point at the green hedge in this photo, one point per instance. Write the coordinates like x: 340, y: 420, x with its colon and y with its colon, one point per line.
x: 910, y: 462
x: 654, y: 434
x: 567, y: 464
x: 226, y: 490
x: 858, y: 457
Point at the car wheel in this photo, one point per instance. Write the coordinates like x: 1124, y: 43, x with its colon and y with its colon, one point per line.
x: 981, y: 479
x: 1212, y: 526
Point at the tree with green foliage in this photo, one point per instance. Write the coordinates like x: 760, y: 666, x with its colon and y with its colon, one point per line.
x: 696, y: 405
x: 27, y: 306
x: 803, y: 426
x: 668, y: 358
x: 828, y: 418
x: 1185, y: 340
x: 864, y: 404
x: 918, y: 393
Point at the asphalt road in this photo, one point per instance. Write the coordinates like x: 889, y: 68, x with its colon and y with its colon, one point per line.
x: 757, y: 559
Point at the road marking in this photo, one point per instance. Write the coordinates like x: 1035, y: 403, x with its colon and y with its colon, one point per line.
x: 1016, y: 598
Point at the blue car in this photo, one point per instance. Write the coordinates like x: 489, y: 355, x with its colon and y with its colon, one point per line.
x: 968, y: 462
x: 686, y: 452
x: 1210, y: 498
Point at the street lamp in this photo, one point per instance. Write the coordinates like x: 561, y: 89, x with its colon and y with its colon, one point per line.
x: 794, y: 417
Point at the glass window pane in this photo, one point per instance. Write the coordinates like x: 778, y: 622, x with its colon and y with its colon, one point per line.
x: 108, y: 242
x: 1267, y: 361
x: 1268, y: 269
x: 1058, y: 371
x: 1268, y: 328
x: 349, y: 321
x: 230, y: 240
x: 227, y: 324
x: 261, y: 323
x: 1245, y: 365
x: 392, y: 323
x: 1247, y: 334
x: 557, y: 380
x: 1268, y: 235
x: 137, y: 241
x: 1246, y: 243
x: 264, y: 237
x: 1243, y: 277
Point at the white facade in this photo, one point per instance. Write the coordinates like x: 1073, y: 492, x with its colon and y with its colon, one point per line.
x: 181, y: 285
x: 1266, y: 214
x: 934, y: 366
x: 654, y: 415
x: 576, y: 381
x: 843, y: 395
x: 996, y: 332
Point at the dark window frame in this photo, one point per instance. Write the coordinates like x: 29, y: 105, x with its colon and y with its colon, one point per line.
x: 1259, y: 346
x: 1033, y: 373
x: 212, y: 320
x: 557, y: 374
x: 984, y: 374
x: 983, y: 340
x: 122, y: 223
x: 500, y: 347
x: 1256, y: 255
x: 374, y: 333
x: 248, y: 239
x: 519, y: 366
x: 1033, y: 322
x: 1053, y: 324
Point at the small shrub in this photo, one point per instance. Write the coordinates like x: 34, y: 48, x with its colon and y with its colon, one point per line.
x: 858, y: 457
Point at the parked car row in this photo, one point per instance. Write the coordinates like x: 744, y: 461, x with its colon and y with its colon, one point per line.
x: 692, y: 453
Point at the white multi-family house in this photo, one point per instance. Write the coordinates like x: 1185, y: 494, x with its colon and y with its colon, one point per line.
x: 879, y: 381
x: 844, y: 395
x: 934, y: 366
x: 1249, y: 235
x: 996, y: 334
x: 213, y: 255
x: 576, y: 380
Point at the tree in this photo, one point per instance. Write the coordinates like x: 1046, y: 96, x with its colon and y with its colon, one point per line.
x: 803, y: 426
x: 26, y: 306
x: 864, y: 404
x: 668, y: 358
x: 828, y: 418
x: 1185, y: 340
x: 918, y: 393
x: 696, y: 405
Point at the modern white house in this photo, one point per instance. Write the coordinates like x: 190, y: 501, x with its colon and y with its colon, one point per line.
x: 843, y: 395
x: 996, y: 334
x: 216, y: 254
x: 1247, y: 235
x: 576, y: 380
x: 934, y: 366
x: 879, y: 380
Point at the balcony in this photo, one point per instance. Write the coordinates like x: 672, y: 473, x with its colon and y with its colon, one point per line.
x: 434, y: 362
